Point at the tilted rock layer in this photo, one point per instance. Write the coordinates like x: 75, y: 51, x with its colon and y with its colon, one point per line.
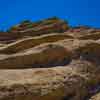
x: 49, y: 60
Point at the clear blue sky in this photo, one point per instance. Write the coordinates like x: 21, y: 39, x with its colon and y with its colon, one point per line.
x: 77, y: 12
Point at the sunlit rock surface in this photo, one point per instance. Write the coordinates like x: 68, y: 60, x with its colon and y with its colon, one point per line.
x: 49, y: 60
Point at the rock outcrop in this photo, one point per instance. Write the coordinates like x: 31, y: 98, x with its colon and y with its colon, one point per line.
x: 49, y: 60
x: 20, y: 45
x: 37, y: 57
x: 28, y: 28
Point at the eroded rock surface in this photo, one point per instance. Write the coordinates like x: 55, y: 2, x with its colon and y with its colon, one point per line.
x: 49, y: 60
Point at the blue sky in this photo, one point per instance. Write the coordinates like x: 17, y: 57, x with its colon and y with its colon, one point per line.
x: 77, y: 12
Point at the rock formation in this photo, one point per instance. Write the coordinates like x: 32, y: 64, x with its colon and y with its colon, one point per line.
x: 49, y: 60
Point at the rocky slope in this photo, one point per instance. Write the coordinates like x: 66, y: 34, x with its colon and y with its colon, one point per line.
x: 49, y: 60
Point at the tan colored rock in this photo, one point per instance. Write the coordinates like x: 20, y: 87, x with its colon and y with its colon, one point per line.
x: 84, y: 33
x: 32, y: 42
x: 93, y: 36
x: 56, y: 83
x: 41, y: 56
x: 61, y: 51
x: 43, y: 84
x: 48, y: 61
x: 49, y: 83
x: 37, y: 57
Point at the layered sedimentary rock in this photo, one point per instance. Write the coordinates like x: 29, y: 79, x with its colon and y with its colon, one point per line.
x: 84, y: 32
x: 49, y: 60
x: 28, y: 28
x: 37, y: 57
x: 20, y: 45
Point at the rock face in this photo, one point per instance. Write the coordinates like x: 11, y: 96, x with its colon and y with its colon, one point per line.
x: 32, y: 42
x: 37, y: 57
x: 28, y: 28
x: 49, y: 60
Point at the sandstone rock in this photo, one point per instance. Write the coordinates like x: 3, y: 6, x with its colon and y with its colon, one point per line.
x: 39, y: 28
x: 80, y: 74
x: 6, y: 37
x: 84, y: 33
x: 28, y: 28
x: 43, y: 84
x: 48, y: 83
x: 41, y: 56
x: 32, y: 42
x: 48, y: 60
x: 37, y: 57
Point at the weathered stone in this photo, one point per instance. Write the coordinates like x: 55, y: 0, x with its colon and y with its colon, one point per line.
x: 40, y: 56
x: 32, y: 42
x: 39, y: 28
x: 43, y: 84
x: 48, y: 60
